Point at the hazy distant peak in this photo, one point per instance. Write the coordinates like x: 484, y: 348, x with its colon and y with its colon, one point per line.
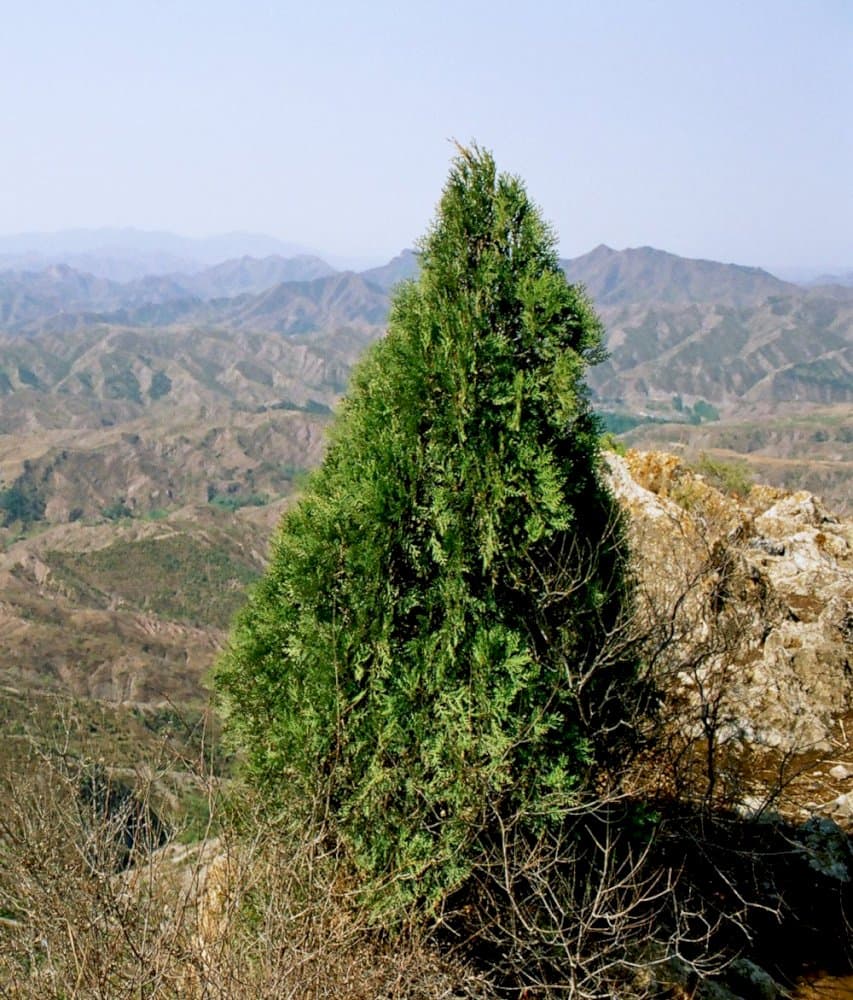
x: 646, y: 274
x: 127, y: 241
x: 401, y: 268
x: 59, y: 270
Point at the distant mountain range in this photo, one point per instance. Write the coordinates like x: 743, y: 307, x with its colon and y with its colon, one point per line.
x: 642, y: 276
x: 401, y: 268
x: 815, y: 275
x: 689, y: 341
x: 678, y: 330
x: 30, y: 296
x: 646, y: 275
x: 125, y: 254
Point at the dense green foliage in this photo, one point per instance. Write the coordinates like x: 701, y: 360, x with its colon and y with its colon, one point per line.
x: 116, y: 510
x: 22, y: 501
x: 621, y: 423
x: 426, y: 647
x: 703, y: 411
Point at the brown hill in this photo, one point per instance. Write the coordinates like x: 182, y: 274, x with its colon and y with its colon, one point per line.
x: 788, y: 349
x: 132, y: 611
x: 157, y: 419
x: 296, y: 307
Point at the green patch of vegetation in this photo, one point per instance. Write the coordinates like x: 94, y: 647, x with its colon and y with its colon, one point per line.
x: 821, y: 372
x: 28, y: 377
x: 117, y: 510
x: 312, y: 406
x: 704, y: 412
x: 780, y: 305
x: 180, y: 577
x: 157, y: 514
x: 161, y: 385
x: 20, y: 504
x: 234, y: 501
x: 609, y: 442
x: 621, y: 423
x: 293, y: 472
x: 728, y: 476
x: 23, y: 501
x: 123, y: 385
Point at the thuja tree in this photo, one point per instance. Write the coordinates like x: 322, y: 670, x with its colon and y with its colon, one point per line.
x: 433, y: 646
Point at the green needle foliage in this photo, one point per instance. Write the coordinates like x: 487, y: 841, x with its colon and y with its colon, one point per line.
x: 435, y: 642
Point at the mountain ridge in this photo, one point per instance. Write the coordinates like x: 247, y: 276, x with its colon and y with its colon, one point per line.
x: 724, y: 343
x: 612, y: 277
x: 677, y: 329
x: 645, y: 274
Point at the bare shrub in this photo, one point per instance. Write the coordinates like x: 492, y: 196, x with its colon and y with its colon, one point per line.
x: 587, y: 913
x: 92, y: 904
x: 701, y: 617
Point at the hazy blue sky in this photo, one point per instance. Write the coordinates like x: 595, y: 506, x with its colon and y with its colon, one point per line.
x: 721, y: 129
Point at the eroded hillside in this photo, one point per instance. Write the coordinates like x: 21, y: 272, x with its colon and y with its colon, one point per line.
x: 131, y: 611
x: 703, y: 356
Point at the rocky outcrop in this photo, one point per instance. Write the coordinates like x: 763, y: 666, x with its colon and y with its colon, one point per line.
x: 746, y: 605
x: 745, y: 614
x: 781, y: 563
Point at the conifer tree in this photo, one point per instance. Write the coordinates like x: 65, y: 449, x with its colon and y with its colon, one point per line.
x: 428, y: 649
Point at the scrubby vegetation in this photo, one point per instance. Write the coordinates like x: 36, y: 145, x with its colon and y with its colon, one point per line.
x: 22, y: 502
x: 117, y: 510
x: 185, y: 578
x: 253, y: 907
x: 234, y: 501
x: 732, y: 476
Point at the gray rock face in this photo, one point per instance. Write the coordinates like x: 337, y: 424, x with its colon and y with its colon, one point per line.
x: 828, y: 850
x: 746, y: 609
x: 751, y: 981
